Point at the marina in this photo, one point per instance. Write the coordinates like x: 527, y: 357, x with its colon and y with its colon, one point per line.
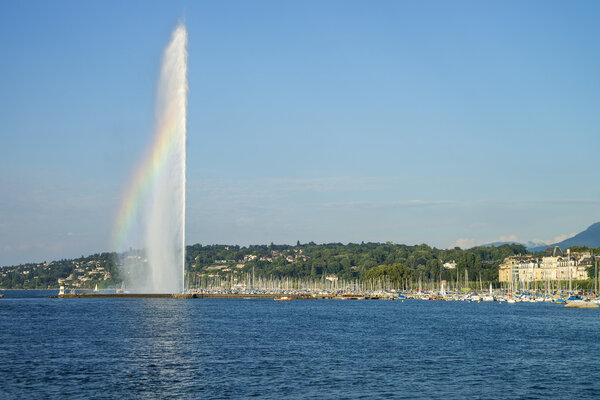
x: 570, y: 300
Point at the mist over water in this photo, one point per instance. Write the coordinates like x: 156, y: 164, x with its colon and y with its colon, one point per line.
x: 157, y: 204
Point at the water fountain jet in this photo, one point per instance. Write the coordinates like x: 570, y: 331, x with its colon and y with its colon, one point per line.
x: 152, y: 215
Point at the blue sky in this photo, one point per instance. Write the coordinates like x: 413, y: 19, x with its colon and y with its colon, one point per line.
x: 406, y: 121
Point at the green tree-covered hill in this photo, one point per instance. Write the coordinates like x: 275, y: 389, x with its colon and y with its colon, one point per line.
x: 310, y: 260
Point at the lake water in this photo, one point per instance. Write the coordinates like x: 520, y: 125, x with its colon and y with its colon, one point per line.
x: 319, y: 349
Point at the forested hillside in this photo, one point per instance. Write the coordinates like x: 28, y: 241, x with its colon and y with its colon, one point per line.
x: 347, y: 261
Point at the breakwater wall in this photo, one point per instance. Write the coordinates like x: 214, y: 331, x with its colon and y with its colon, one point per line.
x: 178, y: 296
x: 216, y: 296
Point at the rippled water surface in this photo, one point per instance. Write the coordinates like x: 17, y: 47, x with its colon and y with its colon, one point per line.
x: 321, y: 349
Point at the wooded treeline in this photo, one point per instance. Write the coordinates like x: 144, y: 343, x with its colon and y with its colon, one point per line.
x: 309, y: 260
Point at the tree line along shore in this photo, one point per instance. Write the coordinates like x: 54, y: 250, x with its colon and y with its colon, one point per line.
x: 400, y: 265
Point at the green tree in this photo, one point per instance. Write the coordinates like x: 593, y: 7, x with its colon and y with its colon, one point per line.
x: 396, y: 273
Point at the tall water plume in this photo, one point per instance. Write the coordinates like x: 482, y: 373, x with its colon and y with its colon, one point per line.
x: 152, y: 214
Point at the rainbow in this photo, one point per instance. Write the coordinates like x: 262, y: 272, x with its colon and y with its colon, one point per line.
x: 168, y: 148
x: 142, y: 182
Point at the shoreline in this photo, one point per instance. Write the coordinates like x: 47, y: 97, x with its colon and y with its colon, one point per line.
x: 211, y: 296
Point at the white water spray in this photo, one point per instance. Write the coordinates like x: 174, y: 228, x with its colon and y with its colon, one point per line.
x: 157, y: 198
x: 165, y: 236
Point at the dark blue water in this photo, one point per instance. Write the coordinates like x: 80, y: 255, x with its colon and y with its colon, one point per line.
x: 320, y: 349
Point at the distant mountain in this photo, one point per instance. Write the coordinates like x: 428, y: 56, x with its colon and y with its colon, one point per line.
x: 590, y: 238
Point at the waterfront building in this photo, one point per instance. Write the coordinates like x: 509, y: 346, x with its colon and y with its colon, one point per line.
x: 572, y: 266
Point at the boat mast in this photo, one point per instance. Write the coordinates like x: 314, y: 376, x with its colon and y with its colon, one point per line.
x: 595, y: 274
x: 569, y: 269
